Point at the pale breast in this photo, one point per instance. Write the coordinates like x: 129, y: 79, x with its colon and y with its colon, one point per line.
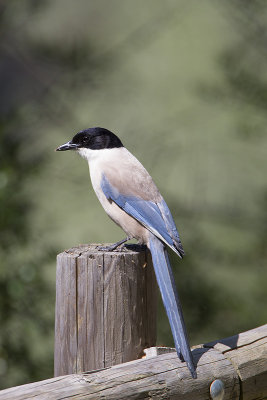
x: 98, y: 166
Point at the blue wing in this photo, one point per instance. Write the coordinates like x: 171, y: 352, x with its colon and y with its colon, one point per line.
x: 156, y: 217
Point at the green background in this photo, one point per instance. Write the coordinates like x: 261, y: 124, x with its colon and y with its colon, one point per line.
x: 183, y: 84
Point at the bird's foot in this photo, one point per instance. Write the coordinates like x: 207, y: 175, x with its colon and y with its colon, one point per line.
x: 107, y: 248
x: 114, y: 246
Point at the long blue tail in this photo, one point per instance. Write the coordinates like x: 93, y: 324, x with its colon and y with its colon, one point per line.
x: 171, y: 301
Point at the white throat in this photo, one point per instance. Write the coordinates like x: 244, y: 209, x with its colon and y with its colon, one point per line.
x: 94, y: 155
x: 89, y: 154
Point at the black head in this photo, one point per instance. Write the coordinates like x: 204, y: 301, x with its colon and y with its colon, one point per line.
x: 94, y: 139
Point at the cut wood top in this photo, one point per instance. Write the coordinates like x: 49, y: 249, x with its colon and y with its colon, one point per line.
x: 86, y: 249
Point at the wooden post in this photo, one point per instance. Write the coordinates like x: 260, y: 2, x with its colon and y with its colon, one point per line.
x: 105, y: 307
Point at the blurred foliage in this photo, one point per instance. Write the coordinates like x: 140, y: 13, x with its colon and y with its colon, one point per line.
x: 184, y: 86
x: 24, y: 292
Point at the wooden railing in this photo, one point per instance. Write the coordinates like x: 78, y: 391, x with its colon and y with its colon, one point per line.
x: 105, y: 315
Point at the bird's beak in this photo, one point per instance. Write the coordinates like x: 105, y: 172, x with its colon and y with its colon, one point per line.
x: 68, y: 146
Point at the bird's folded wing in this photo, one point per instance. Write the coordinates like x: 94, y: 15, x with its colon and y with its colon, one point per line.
x: 155, y: 216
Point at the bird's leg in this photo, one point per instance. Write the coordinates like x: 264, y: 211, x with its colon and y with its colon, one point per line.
x: 113, y: 246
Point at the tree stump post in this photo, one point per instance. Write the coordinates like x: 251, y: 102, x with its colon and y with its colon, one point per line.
x: 105, y: 307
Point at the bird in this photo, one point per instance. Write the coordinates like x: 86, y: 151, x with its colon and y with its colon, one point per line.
x: 132, y: 200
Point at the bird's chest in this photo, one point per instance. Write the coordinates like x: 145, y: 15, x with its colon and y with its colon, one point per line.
x: 96, y: 177
x: 111, y: 208
x: 132, y: 227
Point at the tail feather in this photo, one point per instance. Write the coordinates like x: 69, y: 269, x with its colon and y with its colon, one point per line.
x: 171, y: 301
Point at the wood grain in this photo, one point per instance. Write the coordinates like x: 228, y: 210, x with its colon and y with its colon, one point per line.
x: 166, y: 377
x: 105, y: 308
x: 244, y: 351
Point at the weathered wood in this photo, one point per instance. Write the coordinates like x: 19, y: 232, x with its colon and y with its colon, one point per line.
x: 246, y: 350
x: 165, y: 377
x: 105, y: 308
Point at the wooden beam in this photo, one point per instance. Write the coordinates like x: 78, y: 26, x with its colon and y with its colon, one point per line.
x: 105, y: 307
x: 248, y: 353
x: 240, y: 362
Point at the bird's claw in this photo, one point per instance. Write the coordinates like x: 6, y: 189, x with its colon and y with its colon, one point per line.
x: 106, y: 248
x: 114, y: 246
